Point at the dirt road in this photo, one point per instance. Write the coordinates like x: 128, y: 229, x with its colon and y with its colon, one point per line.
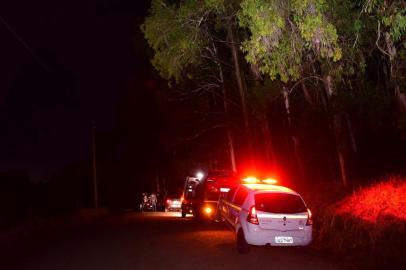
x: 164, y: 241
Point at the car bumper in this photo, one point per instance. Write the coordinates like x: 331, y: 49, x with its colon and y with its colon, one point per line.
x: 254, y: 235
x: 173, y: 208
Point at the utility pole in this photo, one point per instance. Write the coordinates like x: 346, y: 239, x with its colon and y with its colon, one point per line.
x: 95, y: 193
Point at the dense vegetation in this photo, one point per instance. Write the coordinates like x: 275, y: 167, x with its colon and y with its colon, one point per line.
x: 376, y: 241
x: 309, y: 89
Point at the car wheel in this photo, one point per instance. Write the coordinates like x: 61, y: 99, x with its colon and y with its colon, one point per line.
x: 242, y: 245
x: 183, y: 214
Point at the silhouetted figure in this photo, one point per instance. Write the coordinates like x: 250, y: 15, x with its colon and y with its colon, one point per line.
x: 153, y: 201
x: 144, y: 201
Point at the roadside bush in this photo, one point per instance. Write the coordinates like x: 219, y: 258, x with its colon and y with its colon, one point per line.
x: 368, y: 226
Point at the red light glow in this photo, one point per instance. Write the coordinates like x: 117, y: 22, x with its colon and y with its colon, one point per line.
x: 380, y: 200
x: 270, y: 181
x: 309, y: 218
x: 208, y: 210
x: 252, y: 216
x: 251, y: 180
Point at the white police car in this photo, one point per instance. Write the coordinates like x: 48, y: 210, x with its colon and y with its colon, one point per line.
x: 266, y: 214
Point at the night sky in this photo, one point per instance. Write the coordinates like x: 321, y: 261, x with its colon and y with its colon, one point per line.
x: 88, y: 56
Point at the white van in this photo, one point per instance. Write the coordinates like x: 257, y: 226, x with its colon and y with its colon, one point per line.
x: 262, y: 214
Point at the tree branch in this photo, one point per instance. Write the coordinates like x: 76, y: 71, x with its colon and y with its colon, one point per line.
x: 377, y: 41
x: 304, y: 79
x: 202, y: 132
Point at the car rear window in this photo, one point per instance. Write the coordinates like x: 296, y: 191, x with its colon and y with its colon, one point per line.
x: 279, y: 203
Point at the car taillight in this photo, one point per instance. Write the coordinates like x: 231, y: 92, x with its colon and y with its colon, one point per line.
x: 252, y: 216
x: 309, y: 218
x: 168, y: 201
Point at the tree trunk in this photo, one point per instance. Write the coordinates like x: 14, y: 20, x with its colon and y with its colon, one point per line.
x: 306, y: 93
x: 295, y: 140
x: 231, y: 149
x: 269, y: 149
x: 239, y: 76
x: 336, y: 127
x: 400, y: 99
x: 351, y: 133
x: 226, y: 112
x: 391, y: 51
x: 233, y: 39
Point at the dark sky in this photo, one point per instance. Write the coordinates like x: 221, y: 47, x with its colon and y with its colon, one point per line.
x: 86, y: 53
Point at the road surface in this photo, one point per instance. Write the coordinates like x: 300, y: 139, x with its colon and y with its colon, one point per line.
x: 164, y: 241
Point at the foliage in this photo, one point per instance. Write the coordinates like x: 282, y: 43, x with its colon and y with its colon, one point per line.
x: 172, y: 34
x: 360, y: 45
x: 283, y: 32
x: 391, y: 14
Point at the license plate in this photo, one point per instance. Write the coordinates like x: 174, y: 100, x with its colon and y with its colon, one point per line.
x: 284, y: 239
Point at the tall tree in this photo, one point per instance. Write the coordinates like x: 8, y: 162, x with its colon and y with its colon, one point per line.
x: 285, y: 36
x: 184, y: 44
x: 390, y: 23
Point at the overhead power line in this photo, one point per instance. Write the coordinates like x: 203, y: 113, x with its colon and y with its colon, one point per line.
x: 24, y: 44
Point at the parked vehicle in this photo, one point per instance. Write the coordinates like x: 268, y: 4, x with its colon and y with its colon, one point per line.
x: 262, y: 214
x: 188, y: 195
x: 210, y: 189
x: 172, y: 203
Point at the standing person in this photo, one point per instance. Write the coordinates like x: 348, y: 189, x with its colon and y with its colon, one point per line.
x: 144, y: 201
x: 153, y: 201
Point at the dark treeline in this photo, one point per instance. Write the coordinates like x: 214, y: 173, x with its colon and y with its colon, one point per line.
x: 22, y: 199
x: 307, y: 90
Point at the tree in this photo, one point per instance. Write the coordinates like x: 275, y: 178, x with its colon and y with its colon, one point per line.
x: 182, y: 38
x: 285, y: 37
x: 390, y: 21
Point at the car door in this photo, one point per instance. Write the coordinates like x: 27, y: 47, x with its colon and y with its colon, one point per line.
x: 235, y: 206
x: 225, y: 204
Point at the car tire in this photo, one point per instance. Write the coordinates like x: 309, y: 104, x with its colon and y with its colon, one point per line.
x: 242, y: 245
x: 183, y: 214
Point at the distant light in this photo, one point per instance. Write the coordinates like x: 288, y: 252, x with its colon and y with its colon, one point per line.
x: 224, y: 189
x: 199, y: 175
x: 251, y: 180
x: 270, y: 181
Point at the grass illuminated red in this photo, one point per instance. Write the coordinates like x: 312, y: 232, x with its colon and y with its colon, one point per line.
x: 382, y: 200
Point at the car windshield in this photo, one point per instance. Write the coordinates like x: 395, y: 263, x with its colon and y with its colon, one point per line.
x: 279, y: 203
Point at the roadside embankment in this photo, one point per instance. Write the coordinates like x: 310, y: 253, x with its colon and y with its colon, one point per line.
x: 367, y: 226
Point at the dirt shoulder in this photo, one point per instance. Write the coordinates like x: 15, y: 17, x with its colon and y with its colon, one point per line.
x: 37, y: 233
